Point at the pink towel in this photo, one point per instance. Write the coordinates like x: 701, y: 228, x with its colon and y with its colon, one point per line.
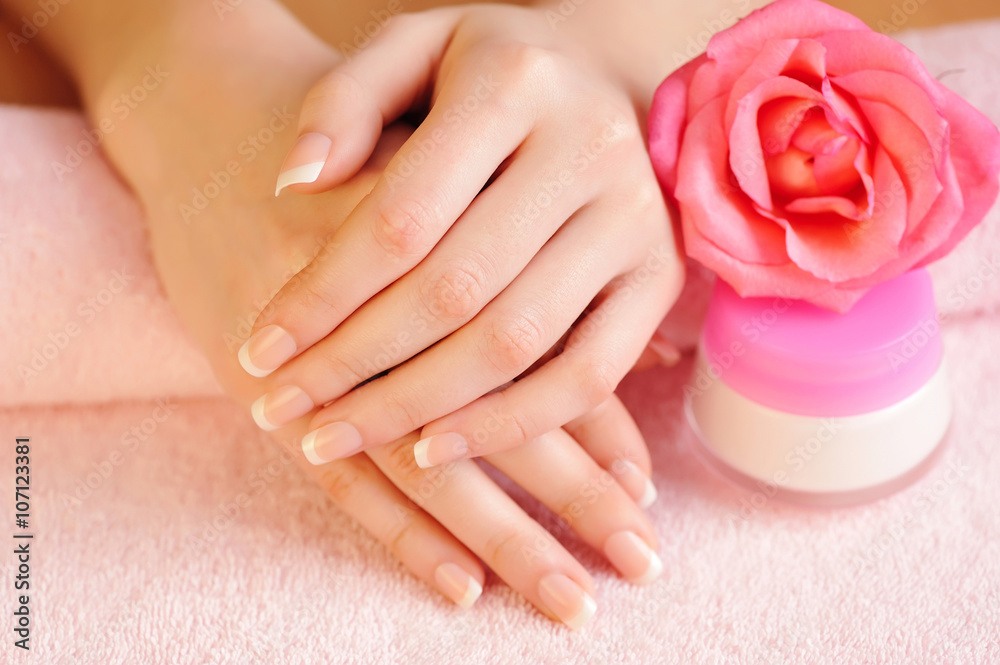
x: 169, y: 530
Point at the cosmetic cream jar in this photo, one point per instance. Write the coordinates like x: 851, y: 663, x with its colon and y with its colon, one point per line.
x: 816, y: 407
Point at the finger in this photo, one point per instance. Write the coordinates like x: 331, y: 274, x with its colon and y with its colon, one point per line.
x: 343, y: 113
x: 597, y: 356
x: 483, y: 253
x: 497, y: 346
x: 426, y: 186
x: 470, y: 505
x: 587, y: 499
x: 425, y: 547
x: 610, y: 436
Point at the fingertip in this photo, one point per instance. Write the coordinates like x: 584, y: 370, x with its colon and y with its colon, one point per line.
x: 305, y: 161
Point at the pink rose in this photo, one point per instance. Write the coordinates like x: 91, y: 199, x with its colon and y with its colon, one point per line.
x: 813, y: 158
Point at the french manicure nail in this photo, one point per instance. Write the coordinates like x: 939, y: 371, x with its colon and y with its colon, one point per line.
x: 280, y: 407
x: 632, y: 557
x: 439, y: 449
x: 305, y: 161
x: 567, y: 600
x: 635, y: 481
x: 331, y: 442
x: 458, y: 585
x: 266, y: 351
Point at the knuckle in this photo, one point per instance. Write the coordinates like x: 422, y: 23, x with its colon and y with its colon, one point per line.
x: 527, y: 63
x: 397, y: 534
x: 455, y: 293
x: 402, y: 409
x: 339, y: 480
x: 503, y: 546
x: 337, y: 365
x: 401, y: 227
x: 512, y: 345
x: 336, y: 87
x: 597, y: 378
x: 404, y: 465
x: 318, y: 298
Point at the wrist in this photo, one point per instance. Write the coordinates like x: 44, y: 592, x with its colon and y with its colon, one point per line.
x: 642, y: 41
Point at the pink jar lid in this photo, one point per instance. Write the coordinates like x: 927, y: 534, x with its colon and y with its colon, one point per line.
x: 798, y: 358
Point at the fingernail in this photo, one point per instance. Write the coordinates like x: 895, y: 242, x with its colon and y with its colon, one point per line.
x: 440, y: 448
x: 266, y: 351
x: 331, y: 442
x: 304, y: 161
x: 567, y: 600
x: 635, y: 482
x: 633, y: 558
x: 669, y: 354
x: 280, y: 407
x: 458, y: 585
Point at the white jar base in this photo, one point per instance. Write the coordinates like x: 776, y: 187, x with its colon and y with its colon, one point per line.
x: 819, y: 461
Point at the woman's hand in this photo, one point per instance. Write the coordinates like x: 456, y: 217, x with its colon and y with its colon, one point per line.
x: 523, y: 206
x: 224, y: 102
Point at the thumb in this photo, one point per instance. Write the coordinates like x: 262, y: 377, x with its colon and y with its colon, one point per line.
x: 344, y: 112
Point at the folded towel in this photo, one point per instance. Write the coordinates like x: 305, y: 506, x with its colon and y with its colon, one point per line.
x: 170, y: 530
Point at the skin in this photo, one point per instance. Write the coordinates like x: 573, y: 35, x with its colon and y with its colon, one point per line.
x: 214, y: 269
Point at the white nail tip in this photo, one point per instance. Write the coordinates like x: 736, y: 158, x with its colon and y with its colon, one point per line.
x: 580, y: 619
x: 472, y: 594
x: 257, y: 411
x: 649, y: 495
x: 654, y: 571
x: 298, y: 175
x: 420, y: 453
x: 309, y: 449
x: 247, y: 364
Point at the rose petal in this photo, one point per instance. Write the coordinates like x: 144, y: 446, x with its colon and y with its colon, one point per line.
x: 849, y: 52
x: 768, y: 65
x: 906, y: 97
x: 785, y: 19
x: 914, y: 159
x: 975, y: 153
x: 933, y: 231
x: 843, y: 115
x: 836, y: 173
x: 779, y: 120
x: 746, y: 157
x: 667, y: 117
x: 712, y: 205
x: 837, y: 205
x: 849, y: 250
x: 754, y: 280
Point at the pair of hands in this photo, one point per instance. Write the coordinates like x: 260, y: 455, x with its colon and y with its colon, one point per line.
x: 243, y: 247
x: 522, y: 207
